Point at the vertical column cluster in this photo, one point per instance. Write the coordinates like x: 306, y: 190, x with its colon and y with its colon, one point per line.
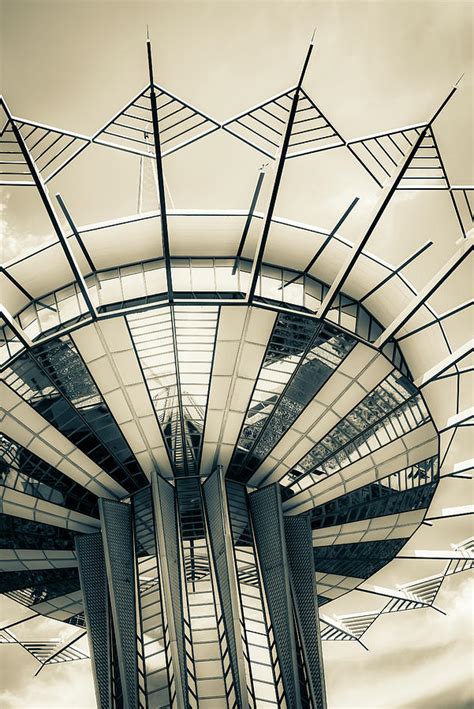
x: 204, y: 622
x: 202, y: 595
x: 285, y: 556
x: 154, y: 628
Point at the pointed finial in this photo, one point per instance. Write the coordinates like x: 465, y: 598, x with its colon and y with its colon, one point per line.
x: 147, y: 33
x: 459, y: 80
x: 312, y: 36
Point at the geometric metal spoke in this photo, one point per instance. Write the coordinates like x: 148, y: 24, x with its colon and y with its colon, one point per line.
x: 131, y: 129
x: 263, y: 126
x: 50, y: 148
x: 463, y: 202
x: 381, y: 153
x: 426, y: 171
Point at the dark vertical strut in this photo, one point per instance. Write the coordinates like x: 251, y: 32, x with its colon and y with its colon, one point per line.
x: 93, y: 579
x: 117, y: 542
x: 299, y: 546
x: 324, y: 244
x: 344, y: 272
x: 75, y: 231
x: 248, y: 221
x: 43, y: 193
x: 165, y: 239
x: 268, y: 526
x: 276, y: 184
x: 161, y: 179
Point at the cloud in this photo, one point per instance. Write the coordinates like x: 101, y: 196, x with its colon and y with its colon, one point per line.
x: 13, y: 243
x: 418, y: 660
x: 59, y: 686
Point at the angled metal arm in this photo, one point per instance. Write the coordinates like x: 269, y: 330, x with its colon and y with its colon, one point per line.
x: 43, y: 193
x: 74, y: 265
x: 466, y: 249
x: 67, y: 644
x: 161, y: 180
x: 248, y: 221
x: 399, y: 268
x: 323, y: 245
x: 390, y: 190
x: 75, y: 231
x: 276, y: 184
x: 445, y: 364
x: 15, y: 327
x: 23, y: 290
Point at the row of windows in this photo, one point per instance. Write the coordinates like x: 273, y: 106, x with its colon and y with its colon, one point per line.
x: 392, y: 409
x: 145, y: 283
x: 175, y: 349
x: 361, y: 559
x: 54, y: 380
x: 33, y: 587
x: 18, y: 533
x: 22, y: 470
x: 300, y: 358
x: 409, y: 489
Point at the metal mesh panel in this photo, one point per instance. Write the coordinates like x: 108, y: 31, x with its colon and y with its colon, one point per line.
x: 205, y: 627
x: 171, y: 557
x: 265, y: 506
x: 154, y: 635
x: 214, y: 504
x: 263, y: 667
x: 90, y: 555
x: 118, y: 547
x: 300, y: 558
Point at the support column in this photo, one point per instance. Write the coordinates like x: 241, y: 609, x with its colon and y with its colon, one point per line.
x: 116, y: 518
x: 167, y: 541
x: 90, y: 557
x: 303, y: 586
x: 267, y: 518
x: 220, y: 537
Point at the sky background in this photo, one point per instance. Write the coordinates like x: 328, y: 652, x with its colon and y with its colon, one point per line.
x: 376, y: 66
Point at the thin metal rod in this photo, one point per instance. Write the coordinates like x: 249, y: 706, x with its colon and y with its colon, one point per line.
x: 437, y: 321
x: 23, y: 290
x: 456, y: 514
x: 344, y: 272
x: 324, y: 244
x: 15, y: 327
x: 63, y: 647
x: 43, y: 193
x: 161, y: 181
x: 75, y: 268
x: 435, y: 555
x: 248, y: 222
x: 399, y: 268
x: 426, y: 293
x: 276, y: 185
x: 75, y: 231
x: 19, y: 622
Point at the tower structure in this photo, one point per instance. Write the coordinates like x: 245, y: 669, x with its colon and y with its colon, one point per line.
x: 201, y: 452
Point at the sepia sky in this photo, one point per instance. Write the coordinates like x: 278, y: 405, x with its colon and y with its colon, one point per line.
x: 377, y: 65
